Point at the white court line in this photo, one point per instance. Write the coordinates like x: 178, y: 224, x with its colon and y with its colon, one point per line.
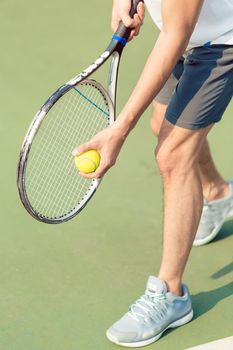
x: 221, y: 344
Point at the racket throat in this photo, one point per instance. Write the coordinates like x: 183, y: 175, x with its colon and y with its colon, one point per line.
x: 112, y: 79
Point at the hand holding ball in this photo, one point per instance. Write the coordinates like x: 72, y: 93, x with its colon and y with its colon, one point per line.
x: 88, y: 161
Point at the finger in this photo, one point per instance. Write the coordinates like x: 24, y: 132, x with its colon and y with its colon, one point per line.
x: 100, y: 171
x: 81, y: 149
x: 137, y: 25
x: 131, y: 35
x: 137, y: 21
x: 127, y: 20
x: 141, y: 11
x: 95, y: 175
x: 136, y: 32
x: 87, y: 176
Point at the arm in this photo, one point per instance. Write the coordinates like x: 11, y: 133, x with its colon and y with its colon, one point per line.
x: 179, y: 19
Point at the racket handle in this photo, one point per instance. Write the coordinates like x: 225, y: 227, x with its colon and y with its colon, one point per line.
x: 134, y: 5
x: 122, y: 31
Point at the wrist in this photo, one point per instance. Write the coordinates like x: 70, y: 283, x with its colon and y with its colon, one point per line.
x: 124, y: 124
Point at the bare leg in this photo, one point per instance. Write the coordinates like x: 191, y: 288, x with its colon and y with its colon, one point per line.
x: 213, y: 184
x: 177, y: 153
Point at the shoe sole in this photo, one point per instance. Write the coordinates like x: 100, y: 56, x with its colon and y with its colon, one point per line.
x: 209, y: 238
x: 185, y: 319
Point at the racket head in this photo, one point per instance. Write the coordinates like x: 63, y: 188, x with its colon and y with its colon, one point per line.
x: 114, y: 49
x: 48, y: 182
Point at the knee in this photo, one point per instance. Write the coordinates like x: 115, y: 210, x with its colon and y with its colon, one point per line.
x: 171, y: 162
x: 164, y: 159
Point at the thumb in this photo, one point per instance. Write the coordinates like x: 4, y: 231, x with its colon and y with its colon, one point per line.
x: 81, y: 149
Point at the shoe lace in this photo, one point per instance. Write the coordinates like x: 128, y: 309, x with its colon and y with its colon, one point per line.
x: 208, y: 213
x: 150, y: 305
x: 212, y: 213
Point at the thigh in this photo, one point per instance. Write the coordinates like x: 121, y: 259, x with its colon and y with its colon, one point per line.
x: 204, y: 89
x: 181, y: 144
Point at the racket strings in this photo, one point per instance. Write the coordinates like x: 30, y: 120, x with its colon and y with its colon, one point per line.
x: 52, y: 183
x: 41, y: 146
x: 61, y: 171
x: 88, y: 135
x: 62, y: 167
x: 40, y: 149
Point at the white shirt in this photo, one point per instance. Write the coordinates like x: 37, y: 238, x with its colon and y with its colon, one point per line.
x: 214, y: 25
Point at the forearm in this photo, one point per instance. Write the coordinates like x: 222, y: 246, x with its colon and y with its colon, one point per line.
x: 169, y: 47
x: 158, y: 68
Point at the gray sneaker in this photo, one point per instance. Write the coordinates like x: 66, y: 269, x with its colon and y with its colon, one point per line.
x: 214, y: 214
x: 150, y: 316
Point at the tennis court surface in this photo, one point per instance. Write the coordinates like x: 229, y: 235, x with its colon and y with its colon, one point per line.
x: 63, y: 285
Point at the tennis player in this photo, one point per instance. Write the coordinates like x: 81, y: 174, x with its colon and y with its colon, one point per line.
x: 189, y: 79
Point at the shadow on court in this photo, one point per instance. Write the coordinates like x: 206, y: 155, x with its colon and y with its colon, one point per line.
x: 205, y: 301
x: 224, y: 271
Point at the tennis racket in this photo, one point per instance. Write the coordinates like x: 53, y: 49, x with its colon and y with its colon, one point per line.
x: 48, y: 182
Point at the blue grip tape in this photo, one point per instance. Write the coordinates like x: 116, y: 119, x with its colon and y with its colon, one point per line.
x: 119, y: 39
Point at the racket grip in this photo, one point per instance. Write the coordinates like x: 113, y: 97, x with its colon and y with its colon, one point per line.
x: 134, y: 5
x: 122, y: 31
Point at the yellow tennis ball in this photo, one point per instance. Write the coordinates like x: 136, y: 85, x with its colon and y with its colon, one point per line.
x: 88, y: 161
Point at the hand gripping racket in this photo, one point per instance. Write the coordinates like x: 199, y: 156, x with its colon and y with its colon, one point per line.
x: 49, y: 186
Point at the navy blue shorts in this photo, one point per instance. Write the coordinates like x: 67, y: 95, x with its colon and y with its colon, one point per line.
x: 200, y: 87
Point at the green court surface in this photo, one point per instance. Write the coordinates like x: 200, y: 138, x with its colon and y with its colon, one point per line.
x: 62, y: 286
